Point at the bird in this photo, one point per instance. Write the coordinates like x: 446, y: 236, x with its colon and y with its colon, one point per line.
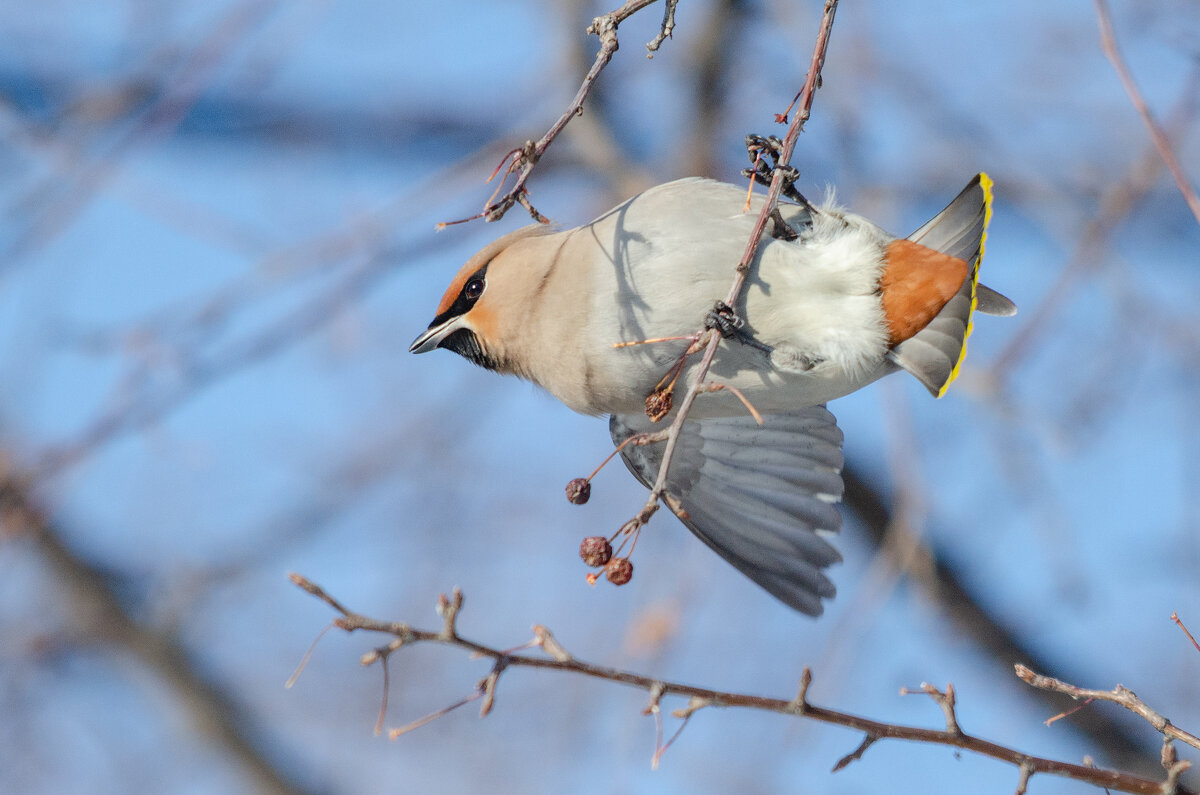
x: 831, y: 303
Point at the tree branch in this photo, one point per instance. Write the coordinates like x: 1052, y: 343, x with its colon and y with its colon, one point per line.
x: 1118, y: 695
x: 944, y: 586
x: 92, y: 598
x: 699, y: 697
x: 524, y: 158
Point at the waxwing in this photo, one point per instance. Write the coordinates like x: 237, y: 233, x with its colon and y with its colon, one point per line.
x: 831, y: 303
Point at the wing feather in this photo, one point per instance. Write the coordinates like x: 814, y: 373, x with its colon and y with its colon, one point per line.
x: 762, y: 497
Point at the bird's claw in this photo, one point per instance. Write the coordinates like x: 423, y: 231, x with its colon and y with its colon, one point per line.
x: 722, y: 319
x: 764, y: 152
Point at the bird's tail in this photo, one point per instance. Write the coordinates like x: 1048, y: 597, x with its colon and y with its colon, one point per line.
x: 935, y: 353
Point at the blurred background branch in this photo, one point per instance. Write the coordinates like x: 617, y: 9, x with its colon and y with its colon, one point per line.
x: 218, y: 234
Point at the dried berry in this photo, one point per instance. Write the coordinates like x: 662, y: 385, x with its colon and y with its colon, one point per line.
x: 658, y: 404
x: 595, y: 551
x: 579, y: 491
x: 619, y: 571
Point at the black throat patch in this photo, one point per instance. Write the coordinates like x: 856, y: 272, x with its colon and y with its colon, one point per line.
x: 466, y: 344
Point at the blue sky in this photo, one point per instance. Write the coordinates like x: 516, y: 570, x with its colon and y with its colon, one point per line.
x: 250, y: 271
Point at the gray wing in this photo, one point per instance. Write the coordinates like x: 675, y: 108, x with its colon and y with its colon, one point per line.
x: 760, y: 496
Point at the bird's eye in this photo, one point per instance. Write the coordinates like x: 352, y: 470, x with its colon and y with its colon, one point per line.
x: 474, y: 289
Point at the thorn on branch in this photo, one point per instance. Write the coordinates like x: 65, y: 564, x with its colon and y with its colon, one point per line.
x: 856, y: 754
x: 1067, y: 713
x: 675, y: 506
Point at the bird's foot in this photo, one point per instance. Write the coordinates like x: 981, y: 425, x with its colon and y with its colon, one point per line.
x: 730, y: 325
x: 764, y: 152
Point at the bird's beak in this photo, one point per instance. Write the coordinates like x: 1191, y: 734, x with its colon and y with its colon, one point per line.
x: 431, y: 337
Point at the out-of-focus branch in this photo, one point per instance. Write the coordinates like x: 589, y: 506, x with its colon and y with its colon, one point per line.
x: 1108, y: 41
x: 364, y: 249
x: 96, y: 605
x: 1119, y: 198
x: 64, y: 194
x: 709, y: 70
x: 559, y: 659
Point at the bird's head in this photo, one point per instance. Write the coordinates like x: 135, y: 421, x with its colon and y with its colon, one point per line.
x: 485, y: 303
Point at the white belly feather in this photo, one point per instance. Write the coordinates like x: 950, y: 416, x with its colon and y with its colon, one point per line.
x: 671, y: 254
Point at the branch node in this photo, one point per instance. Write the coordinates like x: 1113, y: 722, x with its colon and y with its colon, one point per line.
x: 448, y: 610
x: 945, y: 700
x: 695, y: 704
x: 1171, y: 785
x: 550, y: 644
x: 799, y: 704
x: 657, y: 690
x: 1025, y: 773
x: 487, y: 686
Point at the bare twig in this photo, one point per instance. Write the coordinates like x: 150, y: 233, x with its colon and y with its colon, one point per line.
x: 857, y: 754
x: 1175, y: 617
x: 1118, y: 695
x: 664, y: 33
x: 1108, y: 41
x: 945, y: 700
x: 702, y: 697
x: 995, y: 637
x: 521, y: 161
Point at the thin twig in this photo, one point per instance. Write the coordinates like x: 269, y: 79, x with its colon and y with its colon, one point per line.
x: 522, y: 160
x: 701, y: 697
x: 1118, y: 695
x: 1108, y: 42
x: 664, y: 33
x: 857, y: 754
x: 1175, y: 617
